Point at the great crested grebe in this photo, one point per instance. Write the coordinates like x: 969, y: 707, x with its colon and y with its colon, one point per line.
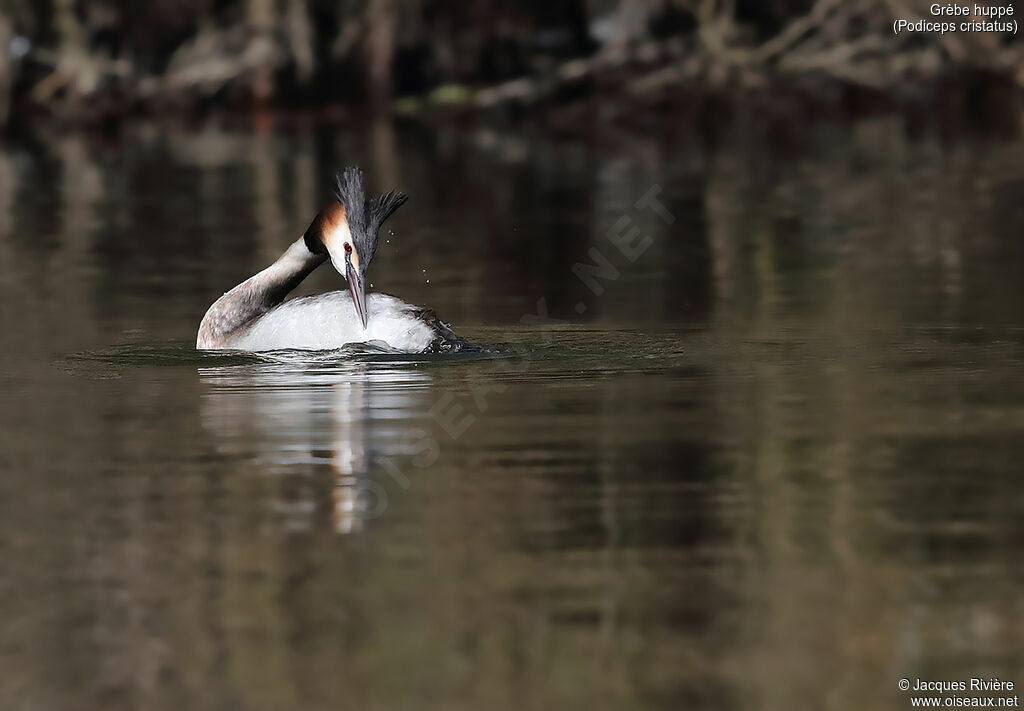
x: 255, y: 317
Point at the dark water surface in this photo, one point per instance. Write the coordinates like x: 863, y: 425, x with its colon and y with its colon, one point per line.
x: 775, y: 464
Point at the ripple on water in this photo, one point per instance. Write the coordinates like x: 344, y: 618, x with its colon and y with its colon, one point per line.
x: 108, y: 362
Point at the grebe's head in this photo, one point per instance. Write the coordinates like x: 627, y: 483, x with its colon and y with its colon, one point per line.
x: 347, y: 230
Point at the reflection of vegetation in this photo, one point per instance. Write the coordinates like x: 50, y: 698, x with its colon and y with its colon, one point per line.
x: 109, y: 57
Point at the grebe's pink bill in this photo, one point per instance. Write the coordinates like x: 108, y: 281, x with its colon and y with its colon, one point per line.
x: 254, y: 316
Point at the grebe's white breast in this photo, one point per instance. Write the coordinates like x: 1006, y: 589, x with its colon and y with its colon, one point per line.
x: 327, y: 321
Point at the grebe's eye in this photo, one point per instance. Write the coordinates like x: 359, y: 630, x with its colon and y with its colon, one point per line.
x: 348, y: 248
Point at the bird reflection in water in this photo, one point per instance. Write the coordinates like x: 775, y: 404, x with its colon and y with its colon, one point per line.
x: 341, y: 418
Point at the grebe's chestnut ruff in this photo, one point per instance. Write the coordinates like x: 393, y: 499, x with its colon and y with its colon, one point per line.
x: 255, y: 317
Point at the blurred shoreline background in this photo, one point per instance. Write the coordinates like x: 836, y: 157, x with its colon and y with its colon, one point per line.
x: 566, y: 62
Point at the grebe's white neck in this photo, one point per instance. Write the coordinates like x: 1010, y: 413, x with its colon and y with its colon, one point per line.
x: 236, y: 310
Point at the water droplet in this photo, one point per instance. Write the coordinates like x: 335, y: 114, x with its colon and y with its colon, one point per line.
x: 20, y: 46
x: 428, y: 281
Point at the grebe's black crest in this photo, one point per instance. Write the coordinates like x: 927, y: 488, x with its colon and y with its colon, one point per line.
x: 380, y: 207
x: 353, y: 197
x: 365, y: 216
